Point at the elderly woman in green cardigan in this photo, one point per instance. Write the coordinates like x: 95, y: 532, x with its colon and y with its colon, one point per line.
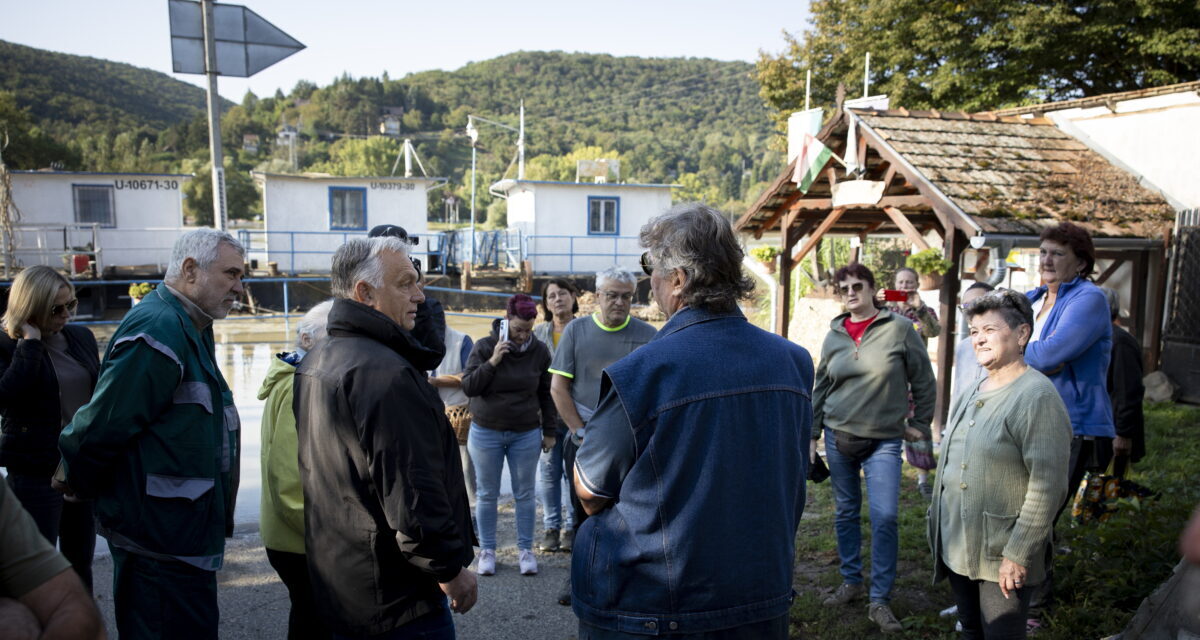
x: 1001, y: 477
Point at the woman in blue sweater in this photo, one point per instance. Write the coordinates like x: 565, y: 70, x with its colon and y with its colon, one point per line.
x: 1072, y: 344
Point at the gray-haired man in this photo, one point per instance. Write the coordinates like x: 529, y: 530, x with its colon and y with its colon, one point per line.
x: 157, y: 446
x: 386, y: 522
x: 587, y: 346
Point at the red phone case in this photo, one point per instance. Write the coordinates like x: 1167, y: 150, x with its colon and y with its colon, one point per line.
x: 894, y: 295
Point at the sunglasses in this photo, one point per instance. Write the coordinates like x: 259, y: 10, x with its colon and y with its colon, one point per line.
x: 845, y: 289
x: 69, y: 307
x: 416, y: 263
x: 646, y: 266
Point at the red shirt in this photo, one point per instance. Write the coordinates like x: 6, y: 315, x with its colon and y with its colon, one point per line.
x: 857, y: 329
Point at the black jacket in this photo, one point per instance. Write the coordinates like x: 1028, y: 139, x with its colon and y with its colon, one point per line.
x: 1126, y: 390
x: 30, y: 415
x: 514, y: 396
x: 385, y: 508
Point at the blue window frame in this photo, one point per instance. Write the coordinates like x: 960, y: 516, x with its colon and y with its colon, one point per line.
x: 94, y: 204
x: 604, y: 216
x: 348, y: 208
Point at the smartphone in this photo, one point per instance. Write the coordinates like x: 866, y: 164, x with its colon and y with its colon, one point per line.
x: 895, y: 295
x: 504, y: 330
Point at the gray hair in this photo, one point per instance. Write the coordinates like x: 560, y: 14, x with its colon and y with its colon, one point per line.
x: 200, y: 245
x: 1013, y: 306
x: 358, y: 260
x: 1114, y: 302
x: 699, y: 240
x: 313, y: 323
x: 614, y: 274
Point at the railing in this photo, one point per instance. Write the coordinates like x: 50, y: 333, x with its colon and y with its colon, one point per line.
x: 533, y: 250
x: 289, y: 247
x: 44, y: 250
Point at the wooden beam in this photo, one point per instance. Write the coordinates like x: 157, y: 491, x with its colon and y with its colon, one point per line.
x: 779, y: 213
x: 783, y: 288
x: 1108, y: 272
x: 907, y: 227
x: 862, y: 151
x: 1153, y: 349
x: 826, y: 225
x: 1137, y: 295
x: 889, y: 176
x: 955, y: 244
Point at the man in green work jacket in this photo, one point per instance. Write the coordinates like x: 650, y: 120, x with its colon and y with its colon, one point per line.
x: 157, y: 446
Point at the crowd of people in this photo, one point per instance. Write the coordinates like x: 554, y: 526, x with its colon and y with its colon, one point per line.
x: 385, y: 433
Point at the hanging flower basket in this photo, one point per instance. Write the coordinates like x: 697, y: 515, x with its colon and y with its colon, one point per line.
x: 767, y: 256
x: 929, y: 265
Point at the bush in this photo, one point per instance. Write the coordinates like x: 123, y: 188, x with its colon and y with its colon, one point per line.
x: 929, y: 261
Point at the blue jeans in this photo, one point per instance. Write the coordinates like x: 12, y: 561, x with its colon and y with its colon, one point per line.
x: 489, y: 449
x: 550, y: 484
x: 882, y: 471
x: 157, y: 599
x: 436, y: 625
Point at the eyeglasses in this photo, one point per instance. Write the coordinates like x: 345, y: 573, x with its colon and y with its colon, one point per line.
x: 623, y: 297
x: 845, y: 289
x: 69, y: 307
x: 416, y: 263
x: 646, y: 266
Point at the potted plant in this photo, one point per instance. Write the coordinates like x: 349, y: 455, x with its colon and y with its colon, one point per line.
x: 139, y: 290
x: 766, y: 255
x: 930, y: 265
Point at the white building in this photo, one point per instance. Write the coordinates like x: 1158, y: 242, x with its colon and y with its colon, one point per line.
x: 577, y: 227
x: 307, y: 217
x: 127, y: 219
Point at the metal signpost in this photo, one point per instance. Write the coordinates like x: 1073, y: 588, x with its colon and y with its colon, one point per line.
x: 228, y: 40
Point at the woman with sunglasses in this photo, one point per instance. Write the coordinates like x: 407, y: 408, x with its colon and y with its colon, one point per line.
x: 870, y: 359
x: 48, y: 370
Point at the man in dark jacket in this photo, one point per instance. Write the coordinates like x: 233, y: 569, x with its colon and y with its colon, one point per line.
x: 694, y: 477
x: 1126, y: 390
x: 387, y: 525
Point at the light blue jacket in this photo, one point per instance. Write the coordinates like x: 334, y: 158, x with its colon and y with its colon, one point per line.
x: 1074, y: 351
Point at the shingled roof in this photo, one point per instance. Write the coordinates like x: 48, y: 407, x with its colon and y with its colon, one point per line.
x: 1006, y: 175
x: 1020, y: 175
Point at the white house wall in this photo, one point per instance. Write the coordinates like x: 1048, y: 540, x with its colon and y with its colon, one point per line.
x: 147, y: 210
x: 559, y: 241
x: 296, y: 214
x: 1154, y: 137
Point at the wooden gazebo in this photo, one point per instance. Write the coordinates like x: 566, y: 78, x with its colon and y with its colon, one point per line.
x: 976, y: 180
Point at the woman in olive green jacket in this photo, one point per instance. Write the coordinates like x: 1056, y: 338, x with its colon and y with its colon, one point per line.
x: 1001, y: 476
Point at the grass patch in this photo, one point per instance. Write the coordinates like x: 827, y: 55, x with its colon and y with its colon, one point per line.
x: 1100, y: 584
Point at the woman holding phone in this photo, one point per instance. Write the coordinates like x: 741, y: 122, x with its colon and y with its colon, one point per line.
x: 508, y: 381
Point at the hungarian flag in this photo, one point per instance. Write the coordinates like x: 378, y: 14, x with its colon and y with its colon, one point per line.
x: 812, y: 158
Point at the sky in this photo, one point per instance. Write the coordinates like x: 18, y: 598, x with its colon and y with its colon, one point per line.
x: 368, y: 37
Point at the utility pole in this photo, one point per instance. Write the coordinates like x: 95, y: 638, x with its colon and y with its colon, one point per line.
x: 214, y: 116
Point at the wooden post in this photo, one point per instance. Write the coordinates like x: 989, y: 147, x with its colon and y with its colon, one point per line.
x: 1153, y: 347
x: 1137, y: 296
x: 783, y: 288
x: 955, y: 243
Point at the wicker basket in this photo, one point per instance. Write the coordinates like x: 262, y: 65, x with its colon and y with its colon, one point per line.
x: 460, y: 418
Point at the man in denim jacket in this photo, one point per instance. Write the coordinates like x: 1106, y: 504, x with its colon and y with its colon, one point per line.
x: 682, y: 459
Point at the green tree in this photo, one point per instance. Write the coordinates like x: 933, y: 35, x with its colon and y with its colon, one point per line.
x: 360, y: 157
x: 242, y: 200
x: 24, y: 145
x: 949, y: 54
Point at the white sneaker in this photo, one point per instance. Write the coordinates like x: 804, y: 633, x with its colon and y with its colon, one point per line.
x: 528, y: 562
x: 487, y: 562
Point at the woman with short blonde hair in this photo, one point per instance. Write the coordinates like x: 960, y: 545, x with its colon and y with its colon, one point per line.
x: 48, y: 370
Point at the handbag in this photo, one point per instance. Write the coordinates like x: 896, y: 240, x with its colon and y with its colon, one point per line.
x: 920, y: 454
x: 459, y: 416
x: 817, y: 471
x: 1099, y: 494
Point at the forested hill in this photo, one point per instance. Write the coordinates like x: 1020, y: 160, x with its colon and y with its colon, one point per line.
x: 65, y: 91
x: 698, y: 123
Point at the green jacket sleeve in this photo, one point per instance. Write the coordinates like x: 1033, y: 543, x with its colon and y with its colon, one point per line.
x: 820, y: 391
x: 930, y: 327
x: 137, y: 384
x: 282, y: 469
x: 1043, y: 430
x: 920, y: 381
